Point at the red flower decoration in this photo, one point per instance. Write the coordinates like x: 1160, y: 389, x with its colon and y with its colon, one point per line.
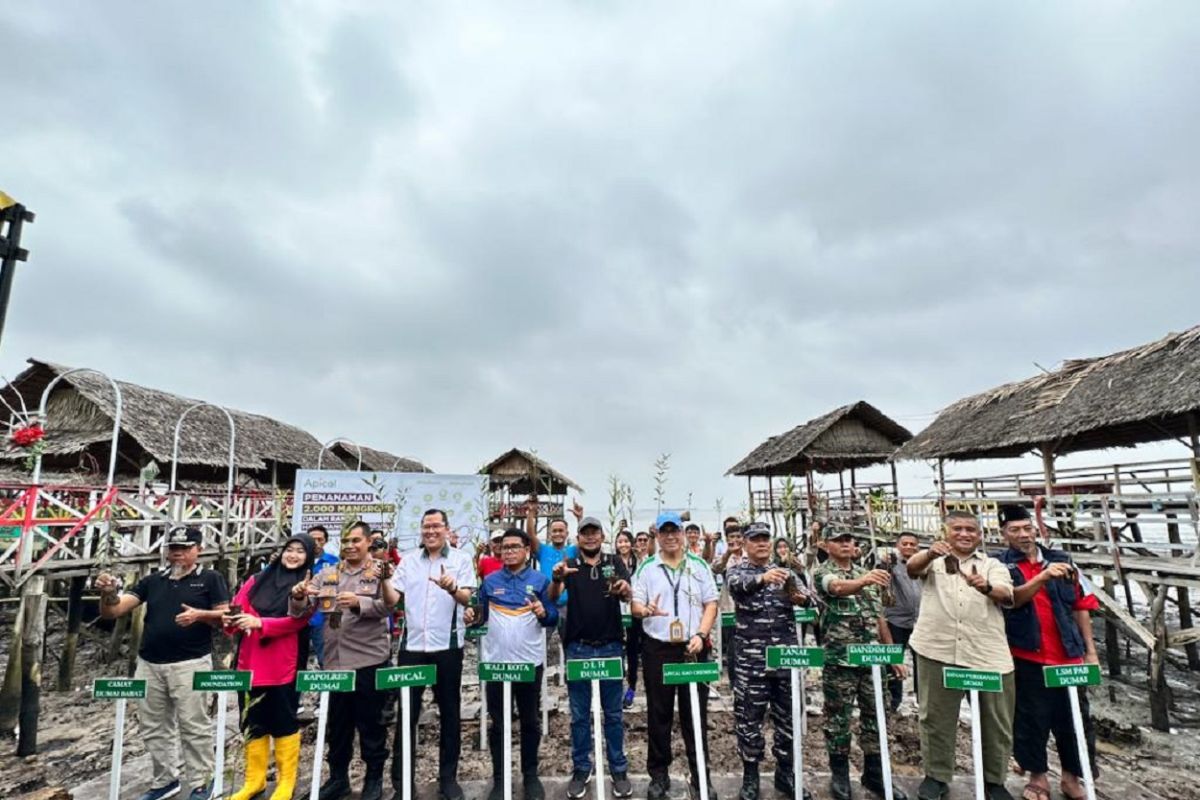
x: 27, y: 437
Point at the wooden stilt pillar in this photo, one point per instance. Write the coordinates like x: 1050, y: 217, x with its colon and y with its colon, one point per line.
x: 120, y: 628
x: 941, y: 479
x: 1160, y: 696
x: 137, y: 619
x: 1112, y: 640
x: 10, y: 694
x: 32, y: 645
x: 66, y: 665
x: 1182, y: 597
x: 1048, y: 474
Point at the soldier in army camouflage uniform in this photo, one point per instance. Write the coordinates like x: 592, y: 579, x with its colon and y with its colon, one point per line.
x: 763, y: 596
x: 853, y: 615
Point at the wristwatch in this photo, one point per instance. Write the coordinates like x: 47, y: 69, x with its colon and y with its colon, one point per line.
x: 987, y: 588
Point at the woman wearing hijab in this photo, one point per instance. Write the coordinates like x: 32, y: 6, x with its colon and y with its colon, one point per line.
x: 269, y: 650
x: 626, y: 548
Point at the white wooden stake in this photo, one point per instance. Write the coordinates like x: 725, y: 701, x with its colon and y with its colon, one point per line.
x: 1085, y: 763
x: 797, y: 734
x: 598, y: 739
x: 114, y: 773
x: 698, y: 734
x: 976, y: 744
x: 218, y: 785
x: 545, y: 698
x: 406, y: 740
x: 319, y: 746
x: 483, y: 720
x: 885, y: 756
x: 507, y: 700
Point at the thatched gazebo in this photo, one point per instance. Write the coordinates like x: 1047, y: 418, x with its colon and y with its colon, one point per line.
x: 519, y: 473
x: 79, y: 428
x: 373, y: 460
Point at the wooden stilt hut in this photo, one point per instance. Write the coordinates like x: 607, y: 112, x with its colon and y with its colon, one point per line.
x: 844, y: 440
x: 1145, y: 394
x: 374, y: 460
x: 518, y: 475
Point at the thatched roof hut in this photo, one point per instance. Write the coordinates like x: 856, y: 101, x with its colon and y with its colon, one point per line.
x: 522, y: 473
x: 856, y: 435
x: 1144, y: 394
x: 79, y: 427
x: 374, y: 460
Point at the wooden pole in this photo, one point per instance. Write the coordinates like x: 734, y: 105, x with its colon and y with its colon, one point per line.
x: 34, y: 639
x: 1160, y: 698
x: 941, y: 479
x: 1048, y: 474
x: 66, y: 665
x: 1182, y: 598
x: 10, y: 694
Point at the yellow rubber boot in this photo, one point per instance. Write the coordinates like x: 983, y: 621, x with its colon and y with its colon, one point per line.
x: 257, y: 751
x: 287, y: 760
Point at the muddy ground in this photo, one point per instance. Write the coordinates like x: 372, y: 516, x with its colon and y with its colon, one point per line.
x: 76, y: 735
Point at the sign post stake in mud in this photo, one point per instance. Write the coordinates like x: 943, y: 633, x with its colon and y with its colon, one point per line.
x: 801, y: 616
x: 878, y: 656
x: 477, y: 633
x: 508, y: 673
x: 324, y: 682
x: 221, y: 682
x: 974, y: 681
x: 1071, y: 677
x: 404, y: 678
x: 692, y: 673
x: 596, y: 670
x: 796, y: 658
x: 121, y: 690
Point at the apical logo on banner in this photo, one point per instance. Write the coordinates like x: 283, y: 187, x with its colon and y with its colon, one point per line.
x: 393, y: 502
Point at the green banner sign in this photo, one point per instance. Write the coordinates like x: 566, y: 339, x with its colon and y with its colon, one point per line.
x: 507, y: 671
x: 399, y: 677
x: 794, y: 657
x: 476, y: 633
x: 728, y: 619
x: 118, y: 689
x: 595, y: 669
x: 803, y: 615
x: 1072, y: 675
x: 691, y: 672
x: 325, y: 680
x: 626, y: 620
x: 869, y: 655
x: 966, y: 679
x: 10, y: 532
x: 224, y: 680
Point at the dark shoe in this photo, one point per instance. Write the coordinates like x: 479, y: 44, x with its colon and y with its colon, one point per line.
x: 621, y: 786
x: 162, y: 792
x: 839, y: 781
x: 659, y: 786
x: 627, y: 700
x: 785, y: 780
x: 996, y: 791
x: 872, y: 777
x: 577, y: 786
x: 372, y: 788
x: 450, y: 790
x: 749, y: 790
x: 694, y: 791
x: 337, y: 787
x: 533, y: 788
x: 399, y: 793
x: 932, y: 789
x: 201, y: 792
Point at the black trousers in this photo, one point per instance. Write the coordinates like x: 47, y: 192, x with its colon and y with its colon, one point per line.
x: 660, y: 709
x: 361, y: 711
x: 1040, y: 712
x: 633, y: 651
x: 896, y: 687
x: 269, y: 711
x: 447, y: 693
x: 527, y: 697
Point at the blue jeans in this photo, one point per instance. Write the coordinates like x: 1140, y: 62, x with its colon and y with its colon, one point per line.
x: 317, y: 637
x: 580, y: 695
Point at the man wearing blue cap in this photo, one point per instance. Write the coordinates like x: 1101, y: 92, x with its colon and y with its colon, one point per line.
x: 675, y: 596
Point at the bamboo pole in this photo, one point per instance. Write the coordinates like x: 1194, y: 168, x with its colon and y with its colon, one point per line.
x: 66, y: 665
x: 32, y: 646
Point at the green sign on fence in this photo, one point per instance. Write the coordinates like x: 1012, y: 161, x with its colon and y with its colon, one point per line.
x: 399, y: 677
x: 728, y: 619
x: 794, y: 657
x: 476, y: 633
x: 966, y: 679
x: 803, y: 615
x: 691, y: 672
x: 10, y: 532
x: 1072, y: 675
x: 869, y: 655
x: 325, y: 680
x: 594, y: 669
x: 118, y: 689
x: 223, y: 680
x: 507, y: 671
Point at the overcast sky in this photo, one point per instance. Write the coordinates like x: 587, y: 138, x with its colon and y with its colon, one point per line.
x: 601, y: 230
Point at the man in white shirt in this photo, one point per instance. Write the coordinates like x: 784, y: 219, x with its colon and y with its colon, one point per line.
x: 436, y: 582
x: 675, y: 596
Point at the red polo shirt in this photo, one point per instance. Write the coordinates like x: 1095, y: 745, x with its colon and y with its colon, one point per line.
x: 1051, y: 652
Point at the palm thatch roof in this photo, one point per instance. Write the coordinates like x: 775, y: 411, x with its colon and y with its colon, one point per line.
x: 374, y: 460
x: 80, y: 415
x: 521, y: 472
x: 1144, y: 394
x: 856, y: 435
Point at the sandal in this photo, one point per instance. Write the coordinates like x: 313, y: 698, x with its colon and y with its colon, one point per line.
x: 1034, y: 792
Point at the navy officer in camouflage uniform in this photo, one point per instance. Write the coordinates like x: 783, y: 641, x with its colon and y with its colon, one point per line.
x: 853, y: 614
x: 763, y: 596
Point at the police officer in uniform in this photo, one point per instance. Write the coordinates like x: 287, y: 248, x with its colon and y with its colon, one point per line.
x: 763, y: 595
x: 853, y: 615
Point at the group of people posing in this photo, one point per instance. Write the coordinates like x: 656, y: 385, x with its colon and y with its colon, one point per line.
x: 652, y: 598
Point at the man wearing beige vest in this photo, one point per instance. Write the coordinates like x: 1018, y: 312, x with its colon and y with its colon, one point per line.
x: 961, y: 625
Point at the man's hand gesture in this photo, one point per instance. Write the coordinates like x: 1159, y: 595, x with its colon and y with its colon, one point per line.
x: 940, y: 548
x: 106, y: 583
x: 976, y: 581
x: 445, y: 581
x: 775, y: 576
x: 188, y: 617
x: 535, y: 605
x: 562, y: 570
x: 576, y: 509
x: 876, y: 577
x: 652, y: 609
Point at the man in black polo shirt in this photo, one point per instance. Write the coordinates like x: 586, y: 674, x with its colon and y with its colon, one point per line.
x: 184, y: 602
x: 596, y: 583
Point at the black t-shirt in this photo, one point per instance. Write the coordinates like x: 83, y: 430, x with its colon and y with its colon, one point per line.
x: 163, y: 641
x: 592, y: 614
